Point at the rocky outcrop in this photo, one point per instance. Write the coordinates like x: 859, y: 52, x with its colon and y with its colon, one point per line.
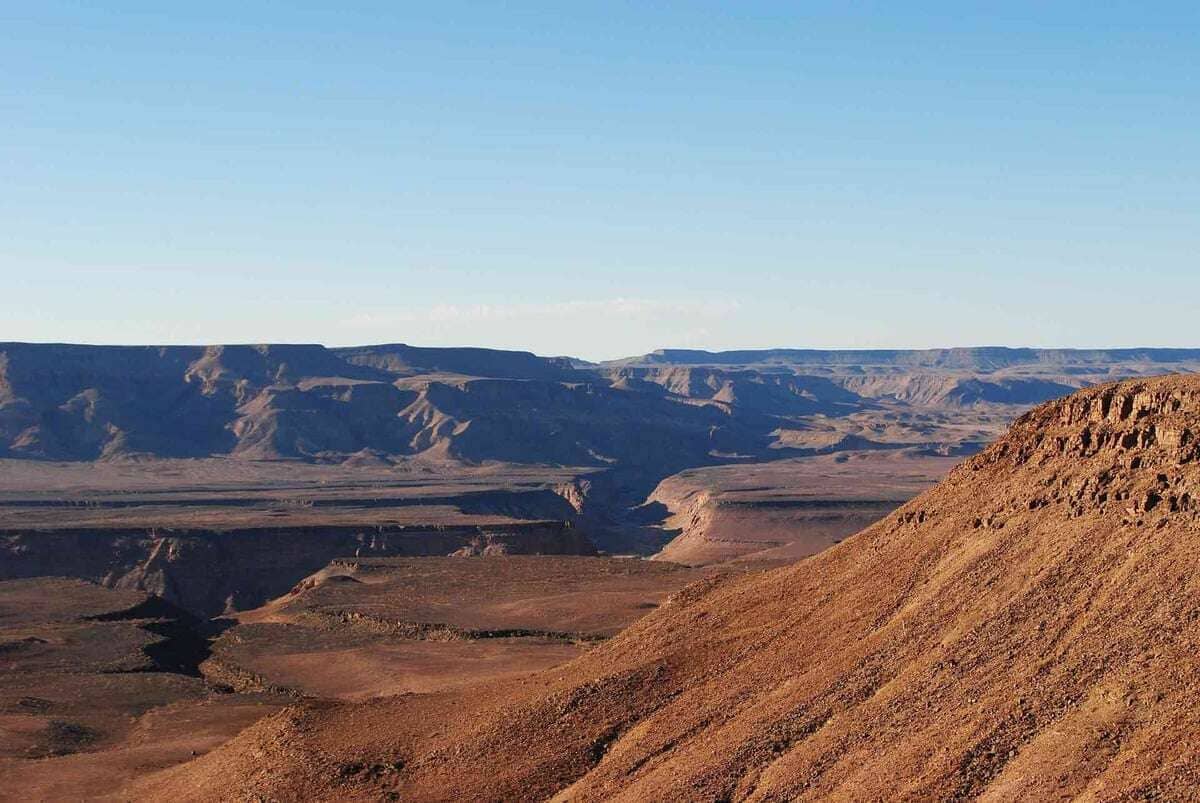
x: 1126, y: 450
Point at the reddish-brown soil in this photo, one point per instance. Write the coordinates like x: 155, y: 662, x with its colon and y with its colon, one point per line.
x: 349, y: 668
x: 576, y: 596
x: 369, y: 627
x: 1027, y: 630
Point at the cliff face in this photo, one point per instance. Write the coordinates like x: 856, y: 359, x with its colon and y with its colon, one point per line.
x: 1027, y: 630
x: 209, y: 572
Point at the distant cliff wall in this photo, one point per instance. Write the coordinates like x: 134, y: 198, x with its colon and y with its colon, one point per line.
x: 209, y: 572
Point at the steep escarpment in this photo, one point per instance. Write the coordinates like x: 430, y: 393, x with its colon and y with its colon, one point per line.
x: 1025, y: 630
x: 641, y: 420
x: 211, y: 571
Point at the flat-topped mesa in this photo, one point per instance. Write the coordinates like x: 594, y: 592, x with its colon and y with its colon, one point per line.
x: 1127, y: 449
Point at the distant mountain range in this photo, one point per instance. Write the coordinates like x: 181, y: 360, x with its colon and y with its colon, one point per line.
x: 980, y: 358
x: 665, y: 410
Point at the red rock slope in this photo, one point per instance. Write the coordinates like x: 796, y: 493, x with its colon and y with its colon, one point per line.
x: 1027, y: 630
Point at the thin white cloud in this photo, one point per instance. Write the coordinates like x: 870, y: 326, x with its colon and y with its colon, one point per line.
x: 627, y: 309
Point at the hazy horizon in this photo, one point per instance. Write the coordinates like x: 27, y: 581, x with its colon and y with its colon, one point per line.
x: 602, y: 180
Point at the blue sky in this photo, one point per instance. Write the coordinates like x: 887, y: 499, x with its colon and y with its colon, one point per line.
x: 601, y: 179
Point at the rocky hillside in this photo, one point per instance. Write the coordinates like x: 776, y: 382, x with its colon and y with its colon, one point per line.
x: 1027, y: 630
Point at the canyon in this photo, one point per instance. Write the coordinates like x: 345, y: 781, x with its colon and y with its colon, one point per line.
x: 217, y: 476
x: 233, y: 531
x: 1026, y: 629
